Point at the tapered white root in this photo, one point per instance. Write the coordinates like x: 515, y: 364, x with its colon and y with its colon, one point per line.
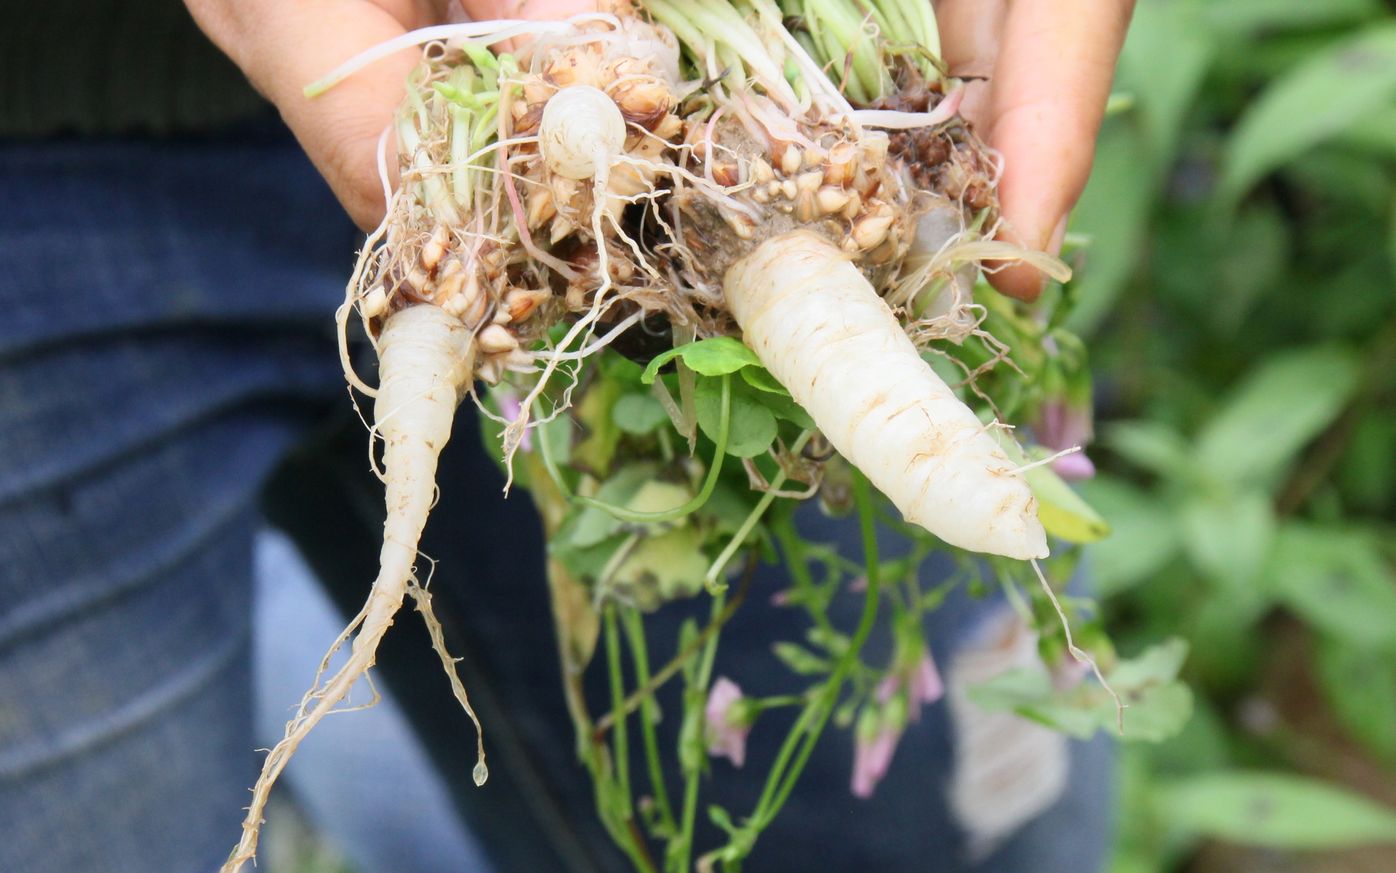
x: 426, y: 361
x: 818, y: 326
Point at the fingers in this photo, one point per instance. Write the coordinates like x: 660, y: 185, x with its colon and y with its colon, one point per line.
x: 970, y: 31
x: 1050, y: 84
x: 481, y: 10
x: 282, y: 47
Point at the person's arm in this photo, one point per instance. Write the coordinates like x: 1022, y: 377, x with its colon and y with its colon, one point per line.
x: 1048, y: 66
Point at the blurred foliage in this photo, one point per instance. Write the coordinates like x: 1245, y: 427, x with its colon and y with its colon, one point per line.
x: 1238, y: 291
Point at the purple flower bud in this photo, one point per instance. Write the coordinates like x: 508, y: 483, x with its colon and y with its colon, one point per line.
x: 926, y: 686
x: 728, y: 721
x: 921, y: 683
x: 1063, y: 426
x: 875, y: 743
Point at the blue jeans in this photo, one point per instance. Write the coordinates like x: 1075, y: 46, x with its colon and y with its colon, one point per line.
x: 165, y: 342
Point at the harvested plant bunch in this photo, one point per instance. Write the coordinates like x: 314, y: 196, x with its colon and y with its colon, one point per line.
x: 696, y: 173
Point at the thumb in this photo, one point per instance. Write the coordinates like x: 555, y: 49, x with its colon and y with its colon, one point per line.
x: 282, y: 47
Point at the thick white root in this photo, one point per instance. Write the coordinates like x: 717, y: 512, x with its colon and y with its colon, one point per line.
x: 818, y: 326
x: 426, y: 361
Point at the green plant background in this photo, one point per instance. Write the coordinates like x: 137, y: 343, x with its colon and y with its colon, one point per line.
x: 1237, y: 289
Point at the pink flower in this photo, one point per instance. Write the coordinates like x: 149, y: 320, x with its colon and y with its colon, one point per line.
x: 1063, y: 426
x: 871, y: 758
x: 875, y: 742
x: 728, y: 721
x: 925, y: 685
x: 922, y: 685
x: 912, y: 682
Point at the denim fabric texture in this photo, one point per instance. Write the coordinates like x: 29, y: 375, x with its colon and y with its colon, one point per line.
x: 166, y: 340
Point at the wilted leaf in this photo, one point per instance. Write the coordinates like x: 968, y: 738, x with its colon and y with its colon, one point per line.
x: 1314, y: 102
x: 1276, y: 810
x: 662, y: 568
x: 595, y: 451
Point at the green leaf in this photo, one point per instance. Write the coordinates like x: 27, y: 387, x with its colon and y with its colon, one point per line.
x: 1228, y: 536
x: 1312, y: 103
x: 1374, y: 133
x: 1157, y: 713
x: 800, y: 659
x: 1172, y: 36
x: 594, y: 452
x: 761, y: 379
x: 784, y: 407
x: 752, y: 427
x: 1154, y: 446
x: 1159, y: 705
x: 656, y: 495
x: 1143, y: 535
x: 1368, y: 468
x: 1360, y: 686
x: 638, y: 414
x: 1062, y: 511
x: 587, y: 526
x: 1113, y: 214
x: 1156, y: 664
x: 662, y: 568
x: 1339, y: 581
x: 1276, y: 810
x: 1255, y: 15
x: 717, y: 356
x: 587, y: 563
x: 1287, y: 400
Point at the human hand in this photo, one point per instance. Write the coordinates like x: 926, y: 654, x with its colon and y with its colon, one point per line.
x: 282, y: 47
x: 1048, y: 65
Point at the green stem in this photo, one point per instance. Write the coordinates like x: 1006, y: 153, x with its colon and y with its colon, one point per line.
x: 812, y: 721
x: 724, y: 422
x: 639, y: 653
x: 619, y: 737
x: 695, y: 695
x: 720, y: 563
x: 784, y: 530
x: 665, y: 673
x: 623, y: 827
